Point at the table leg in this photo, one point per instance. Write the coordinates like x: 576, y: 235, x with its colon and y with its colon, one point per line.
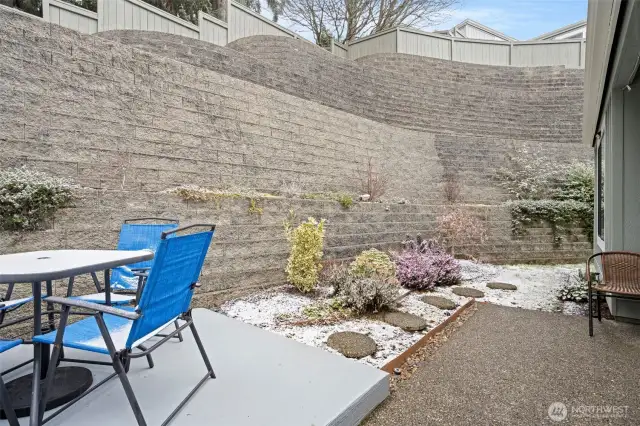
x: 37, y: 354
x: 51, y: 316
x: 107, y: 287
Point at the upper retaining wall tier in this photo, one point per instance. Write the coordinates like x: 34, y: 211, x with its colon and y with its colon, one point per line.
x: 535, y: 104
x: 125, y: 124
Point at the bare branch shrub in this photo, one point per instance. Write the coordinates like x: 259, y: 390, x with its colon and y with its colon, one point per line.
x: 373, y: 181
x: 459, y: 228
x: 451, y: 187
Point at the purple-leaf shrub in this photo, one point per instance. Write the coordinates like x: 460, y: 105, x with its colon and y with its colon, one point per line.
x: 423, y: 267
x: 414, y: 270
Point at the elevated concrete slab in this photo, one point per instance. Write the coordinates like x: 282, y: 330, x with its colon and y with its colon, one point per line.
x: 262, y: 379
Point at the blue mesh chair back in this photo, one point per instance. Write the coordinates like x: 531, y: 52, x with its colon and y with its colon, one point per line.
x: 137, y: 236
x: 171, y: 282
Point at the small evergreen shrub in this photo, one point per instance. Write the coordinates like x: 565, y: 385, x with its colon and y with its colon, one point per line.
x: 29, y: 198
x: 576, y: 289
x: 358, y: 293
x: 373, y: 263
x: 306, y: 242
x: 345, y: 200
x: 334, y: 275
x: 368, y: 294
x: 423, y: 265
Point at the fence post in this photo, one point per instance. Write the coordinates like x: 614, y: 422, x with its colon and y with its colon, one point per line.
x: 451, y: 49
x: 230, y: 33
x: 45, y: 10
x: 510, y: 53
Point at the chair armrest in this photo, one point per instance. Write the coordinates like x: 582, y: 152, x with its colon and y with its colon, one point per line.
x: 93, y: 306
x: 146, y: 268
x: 141, y: 273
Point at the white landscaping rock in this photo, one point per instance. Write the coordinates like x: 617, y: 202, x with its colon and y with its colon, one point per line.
x: 537, y: 289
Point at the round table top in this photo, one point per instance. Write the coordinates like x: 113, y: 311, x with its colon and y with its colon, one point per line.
x: 47, y: 265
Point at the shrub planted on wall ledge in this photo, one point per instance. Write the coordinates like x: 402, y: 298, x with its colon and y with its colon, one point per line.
x: 543, y: 190
x: 561, y: 215
x: 29, y: 198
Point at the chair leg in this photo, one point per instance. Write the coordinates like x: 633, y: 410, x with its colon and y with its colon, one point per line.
x: 149, y: 359
x: 96, y: 282
x: 590, y: 312
x: 53, y: 364
x: 5, y: 404
x: 180, y: 332
x: 119, y: 369
x: 598, y: 307
x: 205, y: 358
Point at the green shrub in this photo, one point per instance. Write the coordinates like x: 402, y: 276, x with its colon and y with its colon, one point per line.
x: 306, y: 242
x: 575, y: 289
x: 373, y: 263
x: 345, y: 200
x: 29, y: 198
x: 254, y: 208
x: 561, y: 194
x: 562, y: 215
x: 369, y: 294
x: 334, y: 275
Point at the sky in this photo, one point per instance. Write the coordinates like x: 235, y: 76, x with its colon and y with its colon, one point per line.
x: 520, y: 19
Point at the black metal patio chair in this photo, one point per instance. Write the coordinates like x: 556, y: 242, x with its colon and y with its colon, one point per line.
x: 110, y: 330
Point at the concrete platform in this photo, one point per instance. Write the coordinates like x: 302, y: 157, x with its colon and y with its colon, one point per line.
x: 262, y: 379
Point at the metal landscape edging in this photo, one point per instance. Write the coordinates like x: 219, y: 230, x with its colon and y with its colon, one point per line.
x: 402, y: 358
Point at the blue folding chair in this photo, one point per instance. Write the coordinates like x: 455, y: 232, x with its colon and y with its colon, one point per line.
x: 126, y: 281
x: 5, y: 403
x: 8, y: 305
x: 116, y: 332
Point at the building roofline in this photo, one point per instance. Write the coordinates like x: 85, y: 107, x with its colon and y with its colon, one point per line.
x: 564, y: 29
x: 485, y: 28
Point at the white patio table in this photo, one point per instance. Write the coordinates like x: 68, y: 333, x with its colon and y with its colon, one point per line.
x: 46, y: 266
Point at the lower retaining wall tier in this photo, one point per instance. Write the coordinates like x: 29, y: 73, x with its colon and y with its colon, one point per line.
x: 126, y: 124
x: 250, y: 250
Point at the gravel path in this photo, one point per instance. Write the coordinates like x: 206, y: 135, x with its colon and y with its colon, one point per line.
x: 506, y: 366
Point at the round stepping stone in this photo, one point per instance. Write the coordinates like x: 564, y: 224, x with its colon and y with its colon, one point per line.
x: 467, y: 292
x: 501, y: 286
x: 407, y: 322
x: 439, y: 302
x: 352, y: 344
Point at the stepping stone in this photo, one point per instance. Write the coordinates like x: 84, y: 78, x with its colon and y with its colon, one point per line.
x: 407, y: 322
x: 352, y: 344
x: 467, y: 292
x: 439, y: 302
x: 501, y: 286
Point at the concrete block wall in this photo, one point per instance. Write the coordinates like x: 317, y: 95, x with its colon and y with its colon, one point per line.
x: 126, y: 124
x: 516, y: 103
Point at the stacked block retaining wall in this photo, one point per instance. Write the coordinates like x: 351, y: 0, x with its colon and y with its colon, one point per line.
x: 127, y: 124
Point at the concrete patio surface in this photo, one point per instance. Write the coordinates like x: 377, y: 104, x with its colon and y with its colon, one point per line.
x: 506, y: 366
x: 262, y: 379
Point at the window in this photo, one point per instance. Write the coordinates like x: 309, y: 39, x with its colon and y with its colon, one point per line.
x: 600, y: 166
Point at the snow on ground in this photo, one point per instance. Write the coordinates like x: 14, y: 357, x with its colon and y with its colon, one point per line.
x: 538, y: 286
x: 537, y: 289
